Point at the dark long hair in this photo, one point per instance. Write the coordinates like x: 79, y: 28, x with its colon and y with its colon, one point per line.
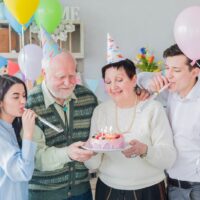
x: 6, y: 82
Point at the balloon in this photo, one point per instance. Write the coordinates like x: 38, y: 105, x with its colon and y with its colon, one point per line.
x: 13, y: 22
x: 187, y: 32
x: 29, y: 59
x: 22, y: 10
x: 49, y: 14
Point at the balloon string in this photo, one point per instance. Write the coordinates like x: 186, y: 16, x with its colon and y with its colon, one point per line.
x: 193, y: 62
x: 23, y: 53
x: 198, y: 64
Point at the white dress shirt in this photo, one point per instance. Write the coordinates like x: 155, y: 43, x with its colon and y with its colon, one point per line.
x: 184, y: 117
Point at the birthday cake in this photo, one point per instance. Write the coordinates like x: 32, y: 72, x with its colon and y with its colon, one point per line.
x: 107, y: 141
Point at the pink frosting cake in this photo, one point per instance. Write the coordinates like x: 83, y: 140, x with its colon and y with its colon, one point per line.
x: 107, y: 141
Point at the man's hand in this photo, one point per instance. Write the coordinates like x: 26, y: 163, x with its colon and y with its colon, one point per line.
x: 144, y: 94
x: 158, y: 82
x: 75, y: 152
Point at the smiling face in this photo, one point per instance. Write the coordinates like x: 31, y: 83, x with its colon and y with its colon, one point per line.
x: 13, y: 103
x: 118, y: 85
x: 180, y: 76
x: 61, y: 76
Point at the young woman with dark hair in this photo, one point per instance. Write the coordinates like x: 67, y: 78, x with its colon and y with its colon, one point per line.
x: 16, y: 153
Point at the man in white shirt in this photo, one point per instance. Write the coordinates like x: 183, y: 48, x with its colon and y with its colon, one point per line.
x: 183, y: 109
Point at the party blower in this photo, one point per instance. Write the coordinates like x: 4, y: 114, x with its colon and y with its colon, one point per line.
x: 155, y: 94
x: 44, y: 121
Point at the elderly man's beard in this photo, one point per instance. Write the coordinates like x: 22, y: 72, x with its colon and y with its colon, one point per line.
x: 60, y: 93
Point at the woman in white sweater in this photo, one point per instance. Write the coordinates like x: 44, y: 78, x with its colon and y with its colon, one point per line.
x: 137, y: 172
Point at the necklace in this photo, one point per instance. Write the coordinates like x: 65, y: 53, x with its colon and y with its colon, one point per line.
x: 132, y: 121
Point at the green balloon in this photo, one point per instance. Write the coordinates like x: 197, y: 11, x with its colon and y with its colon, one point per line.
x: 49, y: 14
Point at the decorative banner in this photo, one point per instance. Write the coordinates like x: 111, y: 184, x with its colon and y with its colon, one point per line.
x: 92, y: 84
x: 20, y: 76
x: 3, y: 61
x: 1, y: 11
x: 39, y: 79
x: 13, y: 68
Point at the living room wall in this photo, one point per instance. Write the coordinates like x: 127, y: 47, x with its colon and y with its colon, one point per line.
x: 132, y: 24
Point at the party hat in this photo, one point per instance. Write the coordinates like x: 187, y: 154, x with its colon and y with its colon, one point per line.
x: 113, y: 51
x: 49, y: 46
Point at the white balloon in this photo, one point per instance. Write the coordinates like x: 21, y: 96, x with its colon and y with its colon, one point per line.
x: 29, y: 60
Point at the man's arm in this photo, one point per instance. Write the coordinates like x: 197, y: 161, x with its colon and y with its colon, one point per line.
x: 153, y: 82
x: 53, y: 158
x: 48, y: 158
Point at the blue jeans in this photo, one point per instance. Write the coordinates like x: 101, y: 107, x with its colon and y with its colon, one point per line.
x: 85, y: 196
x: 176, y: 193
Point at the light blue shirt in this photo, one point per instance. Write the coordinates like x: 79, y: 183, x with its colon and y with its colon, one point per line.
x: 16, y: 165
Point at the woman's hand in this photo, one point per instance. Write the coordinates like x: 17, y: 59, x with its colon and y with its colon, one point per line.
x: 137, y: 149
x: 28, y: 123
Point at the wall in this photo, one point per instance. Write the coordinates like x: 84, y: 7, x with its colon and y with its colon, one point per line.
x: 132, y: 23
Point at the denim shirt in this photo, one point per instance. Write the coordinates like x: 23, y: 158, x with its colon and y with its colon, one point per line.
x: 16, y: 165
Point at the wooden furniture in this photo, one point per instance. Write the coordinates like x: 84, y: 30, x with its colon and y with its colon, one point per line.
x: 11, y: 42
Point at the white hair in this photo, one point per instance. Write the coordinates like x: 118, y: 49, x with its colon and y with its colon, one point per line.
x: 46, y: 61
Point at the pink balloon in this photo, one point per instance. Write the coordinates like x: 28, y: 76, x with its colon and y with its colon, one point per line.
x: 187, y: 32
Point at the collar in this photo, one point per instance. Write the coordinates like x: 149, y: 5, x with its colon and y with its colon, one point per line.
x: 49, y: 99
x: 193, y: 94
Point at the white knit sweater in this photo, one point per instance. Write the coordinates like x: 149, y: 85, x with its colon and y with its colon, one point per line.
x: 151, y: 127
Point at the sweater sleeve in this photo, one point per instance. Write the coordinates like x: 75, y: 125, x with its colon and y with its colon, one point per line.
x: 18, y: 164
x: 161, y: 151
x: 48, y: 158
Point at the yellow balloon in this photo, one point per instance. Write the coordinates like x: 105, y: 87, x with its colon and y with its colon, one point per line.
x: 22, y: 10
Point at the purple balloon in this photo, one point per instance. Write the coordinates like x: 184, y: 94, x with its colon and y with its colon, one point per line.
x: 187, y: 32
x: 29, y: 60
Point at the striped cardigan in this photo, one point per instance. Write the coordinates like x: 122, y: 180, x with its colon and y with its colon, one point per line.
x: 81, y: 109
